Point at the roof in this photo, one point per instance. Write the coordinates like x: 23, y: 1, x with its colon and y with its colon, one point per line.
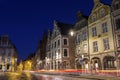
x: 64, y: 27
x: 81, y: 21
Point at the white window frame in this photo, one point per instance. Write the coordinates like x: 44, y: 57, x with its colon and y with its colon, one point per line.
x: 67, y: 42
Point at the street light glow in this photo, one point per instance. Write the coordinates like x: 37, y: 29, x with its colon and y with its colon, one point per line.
x: 71, y: 33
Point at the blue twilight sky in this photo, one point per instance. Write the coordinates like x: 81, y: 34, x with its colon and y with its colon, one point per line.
x: 25, y: 20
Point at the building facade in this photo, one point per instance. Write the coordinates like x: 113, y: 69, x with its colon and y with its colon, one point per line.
x: 28, y: 63
x: 8, y: 54
x: 101, y: 45
x: 38, y: 61
x: 81, y: 42
x: 40, y: 53
x: 115, y: 14
x: 60, y: 53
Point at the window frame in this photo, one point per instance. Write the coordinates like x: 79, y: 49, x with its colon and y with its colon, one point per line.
x: 66, y: 40
x: 104, y: 27
x: 67, y: 52
x: 94, y: 31
x: 102, y: 12
x: 106, y: 44
x: 95, y: 46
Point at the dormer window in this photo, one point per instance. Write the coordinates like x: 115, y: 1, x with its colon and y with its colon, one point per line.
x: 94, y: 17
x: 102, y: 13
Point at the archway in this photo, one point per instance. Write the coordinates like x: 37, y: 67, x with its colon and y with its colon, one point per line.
x: 85, y: 63
x: 96, y: 63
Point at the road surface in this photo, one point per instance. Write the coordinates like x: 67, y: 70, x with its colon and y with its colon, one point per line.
x: 34, y: 76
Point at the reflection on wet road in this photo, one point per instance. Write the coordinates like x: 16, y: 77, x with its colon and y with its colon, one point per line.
x: 54, y: 77
x: 34, y: 76
x: 17, y: 76
x: 21, y: 76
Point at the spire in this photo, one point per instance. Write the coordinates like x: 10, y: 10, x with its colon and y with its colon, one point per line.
x: 79, y: 15
x: 55, y: 23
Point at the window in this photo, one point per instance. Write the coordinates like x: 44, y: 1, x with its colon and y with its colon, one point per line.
x: 94, y: 17
x: 106, y: 44
x: 3, y: 58
x: 3, y: 53
x: 49, y: 47
x: 65, y: 52
x: 94, y: 32
x: 58, y: 42
x: 118, y: 40
x: 84, y: 35
x: 78, y: 38
x: 8, y: 59
x: 55, y: 45
x: 52, y: 45
x: 117, y: 23
x: 104, y: 27
x: 102, y: 13
x: 58, y: 55
x: 49, y: 55
x: 95, y: 46
x: 9, y: 53
x: 65, y: 41
x: 85, y: 47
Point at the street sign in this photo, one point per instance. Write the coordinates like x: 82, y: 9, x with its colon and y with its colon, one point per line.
x: 81, y: 61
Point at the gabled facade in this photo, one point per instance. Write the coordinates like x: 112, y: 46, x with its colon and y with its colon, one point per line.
x: 115, y: 14
x: 8, y: 54
x: 81, y: 42
x: 101, y: 45
x: 60, y: 53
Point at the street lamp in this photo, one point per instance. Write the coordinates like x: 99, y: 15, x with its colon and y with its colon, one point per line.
x: 71, y: 33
